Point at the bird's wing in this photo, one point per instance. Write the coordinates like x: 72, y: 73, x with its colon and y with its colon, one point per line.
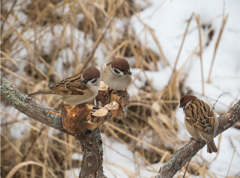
x: 70, y: 86
x: 200, y: 116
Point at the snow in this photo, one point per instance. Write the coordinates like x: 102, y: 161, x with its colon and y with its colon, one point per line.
x: 157, y: 79
x: 77, y: 156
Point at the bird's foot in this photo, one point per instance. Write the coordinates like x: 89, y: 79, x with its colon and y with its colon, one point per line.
x: 108, y: 91
x: 55, y: 113
x: 123, y: 93
x: 193, y: 139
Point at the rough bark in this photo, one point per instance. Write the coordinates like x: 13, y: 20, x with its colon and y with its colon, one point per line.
x: 182, y: 156
x: 91, y: 143
x: 27, y: 106
x: 90, y: 140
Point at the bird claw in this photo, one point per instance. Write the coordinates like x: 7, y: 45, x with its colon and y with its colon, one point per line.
x: 193, y: 139
x: 108, y: 91
x: 55, y: 113
x: 123, y: 93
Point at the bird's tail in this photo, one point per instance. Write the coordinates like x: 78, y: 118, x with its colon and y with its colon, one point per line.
x: 42, y: 92
x: 211, y: 147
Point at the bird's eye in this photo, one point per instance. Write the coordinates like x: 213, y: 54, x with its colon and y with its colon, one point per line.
x: 116, y: 71
x: 94, y: 80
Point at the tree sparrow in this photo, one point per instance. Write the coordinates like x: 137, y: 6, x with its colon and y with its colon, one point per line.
x: 117, y: 74
x: 77, y: 89
x: 201, y: 122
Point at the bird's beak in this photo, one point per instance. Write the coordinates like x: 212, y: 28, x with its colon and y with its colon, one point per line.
x: 129, y: 72
x: 83, y: 80
x: 180, y: 106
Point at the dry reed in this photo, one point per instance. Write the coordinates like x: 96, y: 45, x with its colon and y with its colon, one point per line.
x: 31, y: 61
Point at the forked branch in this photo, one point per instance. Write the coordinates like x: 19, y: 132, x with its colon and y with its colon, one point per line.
x: 90, y: 140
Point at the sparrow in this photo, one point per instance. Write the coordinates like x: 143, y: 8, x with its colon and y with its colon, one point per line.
x: 200, y: 121
x: 117, y: 74
x: 77, y: 89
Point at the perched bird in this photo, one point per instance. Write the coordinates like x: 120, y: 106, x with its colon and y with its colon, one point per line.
x: 201, y: 122
x: 117, y: 74
x: 77, y: 89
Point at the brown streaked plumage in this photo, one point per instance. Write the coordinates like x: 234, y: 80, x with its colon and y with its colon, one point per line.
x: 185, y: 99
x: 77, y: 89
x: 117, y: 74
x: 201, y: 122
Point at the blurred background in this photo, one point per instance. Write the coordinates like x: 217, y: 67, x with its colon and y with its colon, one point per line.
x: 44, y: 41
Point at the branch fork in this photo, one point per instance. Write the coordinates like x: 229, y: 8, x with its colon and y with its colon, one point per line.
x: 81, y: 121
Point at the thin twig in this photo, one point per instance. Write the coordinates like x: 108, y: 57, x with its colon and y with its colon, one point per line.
x: 200, y: 51
x: 193, y: 172
x: 216, y: 46
x: 180, y: 49
x: 207, y: 22
x: 9, y: 123
x: 32, y: 146
x: 8, y: 15
x: 186, y: 168
x: 90, y: 56
x: 231, y: 161
x: 218, y: 99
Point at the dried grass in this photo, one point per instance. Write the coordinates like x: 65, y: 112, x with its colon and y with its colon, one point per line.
x: 216, y: 45
x: 150, y: 129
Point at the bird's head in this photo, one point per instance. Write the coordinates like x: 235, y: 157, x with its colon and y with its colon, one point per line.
x: 91, y: 76
x: 120, y: 66
x: 185, y: 100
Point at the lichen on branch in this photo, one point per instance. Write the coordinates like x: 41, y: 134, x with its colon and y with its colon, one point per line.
x: 90, y: 140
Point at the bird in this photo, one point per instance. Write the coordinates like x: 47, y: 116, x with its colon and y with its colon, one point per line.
x: 117, y: 74
x: 200, y: 120
x: 77, y: 89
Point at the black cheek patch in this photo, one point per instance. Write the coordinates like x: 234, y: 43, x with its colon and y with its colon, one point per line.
x: 116, y: 71
x: 93, y: 81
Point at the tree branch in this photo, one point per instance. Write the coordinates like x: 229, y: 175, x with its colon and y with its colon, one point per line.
x: 27, y: 106
x: 91, y: 141
x: 182, y: 156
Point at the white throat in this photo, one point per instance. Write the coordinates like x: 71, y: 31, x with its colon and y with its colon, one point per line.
x: 93, y: 87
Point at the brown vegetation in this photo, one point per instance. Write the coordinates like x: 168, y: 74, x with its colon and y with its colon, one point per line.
x: 44, y: 41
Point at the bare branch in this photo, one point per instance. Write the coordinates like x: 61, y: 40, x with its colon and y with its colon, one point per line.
x: 27, y: 106
x: 91, y: 141
x: 182, y: 156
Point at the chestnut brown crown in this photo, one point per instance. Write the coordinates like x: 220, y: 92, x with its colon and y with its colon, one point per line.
x: 121, y: 64
x: 90, y: 73
x: 185, y: 99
